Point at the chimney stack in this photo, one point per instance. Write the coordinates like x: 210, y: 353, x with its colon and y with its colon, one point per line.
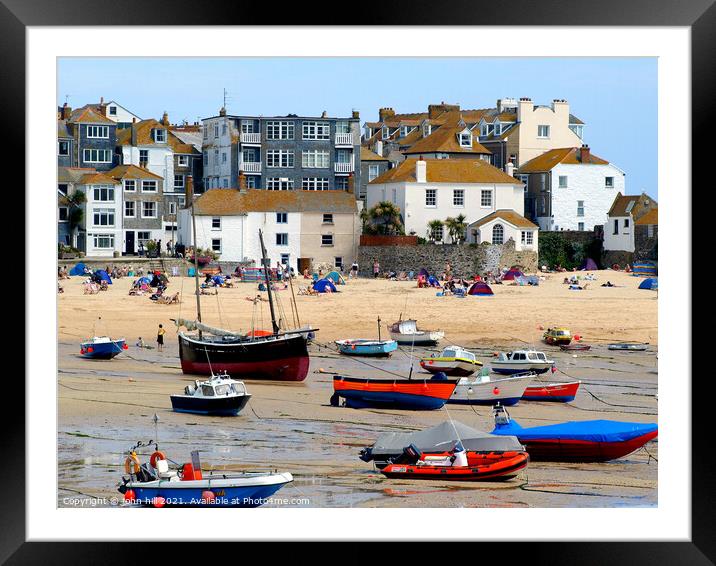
x: 510, y: 169
x: 222, y: 111
x: 189, y: 189
x: 355, y: 114
x: 584, y: 154
x: 421, y: 170
x: 351, y: 183
x: 165, y: 118
x: 242, y: 182
x: 385, y: 113
x: 66, y: 111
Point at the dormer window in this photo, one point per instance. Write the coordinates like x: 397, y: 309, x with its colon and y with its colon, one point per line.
x: 427, y: 130
x: 386, y: 132
x: 465, y: 138
x: 487, y: 129
x: 160, y: 136
x: 405, y: 130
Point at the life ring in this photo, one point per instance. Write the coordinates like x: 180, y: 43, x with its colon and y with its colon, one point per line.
x: 157, y: 455
x: 131, y: 463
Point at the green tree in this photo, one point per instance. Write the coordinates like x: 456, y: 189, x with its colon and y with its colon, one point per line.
x: 385, y: 216
x: 434, y: 227
x: 456, y: 228
x: 75, y: 215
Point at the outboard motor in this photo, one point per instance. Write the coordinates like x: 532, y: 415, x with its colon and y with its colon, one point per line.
x: 410, y: 455
x: 366, y: 454
x: 502, y: 417
x: 440, y: 375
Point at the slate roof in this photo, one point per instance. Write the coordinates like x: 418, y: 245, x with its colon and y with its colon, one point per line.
x: 509, y: 216
x: 447, y: 171
x: 232, y: 202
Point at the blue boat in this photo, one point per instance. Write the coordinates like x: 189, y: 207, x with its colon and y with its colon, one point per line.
x: 102, y: 348
x: 366, y: 347
x: 154, y: 484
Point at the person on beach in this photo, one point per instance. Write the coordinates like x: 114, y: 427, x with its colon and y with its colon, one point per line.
x: 448, y: 272
x: 140, y: 343
x: 354, y: 269
x: 160, y: 338
x: 376, y: 269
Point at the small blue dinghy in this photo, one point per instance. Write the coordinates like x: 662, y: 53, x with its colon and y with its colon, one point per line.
x: 102, y: 348
x: 365, y: 347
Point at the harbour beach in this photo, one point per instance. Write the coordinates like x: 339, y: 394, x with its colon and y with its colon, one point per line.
x: 105, y: 407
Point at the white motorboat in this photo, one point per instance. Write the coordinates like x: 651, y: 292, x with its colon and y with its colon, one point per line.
x: 406, y: 332
x: 482, y: 390
x: 219, y: 395
x: 453, y: 360
x: 521, y: 361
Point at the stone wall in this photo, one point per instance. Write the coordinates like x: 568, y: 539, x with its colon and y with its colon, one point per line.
x: 645, y: 247
x: 134, y: 262
x: 466, y: 260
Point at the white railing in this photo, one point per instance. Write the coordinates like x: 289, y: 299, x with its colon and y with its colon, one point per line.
x: 344, y: 139
x: 344, y: 167
x: 250, y: 166
x: 250, y: 137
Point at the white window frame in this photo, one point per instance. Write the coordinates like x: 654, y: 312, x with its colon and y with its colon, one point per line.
x: 279, y: 159
x: 146, y: 182
x: 431, y: 198
x: 527, y: 237
x: 545, y: 135
x: 282, y: 218
x: 458, y: 198
x: 112, y: 110
x: 316, y: 130
x: 280, y: 130
x: 279, y: 184
x: 92, y: 155
x: 502, y: 235
x: 315, y: 184
x: 130, y: 204
x: 327, y: 240
x: 60, y: 143
x: 607, y: 184
x: 130, y: 183
x: 486, y: 193
x: 214, y: 247
x: 179, y: 186
x: 373, y: 171
x: 327, y: 218
x: 315, y: 159
x: 97, y: 191
x: 580, y: 209
x: 96, y: 238
x: 182, y: 160
x: 216, y: 223
x: 67, y: 188
x: 463, y: 141
x: 97, y: 132
x: 282, y: 239
x: 160, y: 135
x: 562, y: 185
x: 59, y: 213
x: 153, y: 206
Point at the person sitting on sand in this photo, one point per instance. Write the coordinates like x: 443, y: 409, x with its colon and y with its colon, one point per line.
x: 608, y: 284
x: 140, y: 343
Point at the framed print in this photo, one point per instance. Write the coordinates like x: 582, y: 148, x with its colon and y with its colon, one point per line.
x: 393, y: 277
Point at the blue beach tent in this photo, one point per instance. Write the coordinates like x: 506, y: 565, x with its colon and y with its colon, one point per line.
x: 322, y: 284
x: 652, y: 283
x: 103, y: 276
x: 78, y: 269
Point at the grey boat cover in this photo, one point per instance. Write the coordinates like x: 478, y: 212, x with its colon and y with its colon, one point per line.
x: 442, y: 438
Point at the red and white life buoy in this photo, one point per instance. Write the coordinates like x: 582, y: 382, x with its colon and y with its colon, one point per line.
x: 157, y: 455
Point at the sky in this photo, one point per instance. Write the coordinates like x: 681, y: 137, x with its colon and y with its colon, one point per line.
x: 615, y: 97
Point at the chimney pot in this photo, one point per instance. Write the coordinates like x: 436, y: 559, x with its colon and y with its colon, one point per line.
x: 189, y: 190
x: 584, y: 154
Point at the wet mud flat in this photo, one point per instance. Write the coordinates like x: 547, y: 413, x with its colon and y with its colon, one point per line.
x: 106, y: 407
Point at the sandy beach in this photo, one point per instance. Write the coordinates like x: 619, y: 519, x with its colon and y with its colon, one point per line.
x: 105, y: 407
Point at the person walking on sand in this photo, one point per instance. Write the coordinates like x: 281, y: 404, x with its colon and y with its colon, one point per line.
x: 376, y: 269
x: 354, y: 270
x: 160, y: 338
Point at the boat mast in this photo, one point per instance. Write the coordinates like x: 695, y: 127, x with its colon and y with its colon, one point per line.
x: 268, y: 282
x: 196, y: 264
x: 378, y: 328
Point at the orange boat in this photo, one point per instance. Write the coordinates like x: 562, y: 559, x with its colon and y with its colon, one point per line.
x: 392, y: 393
x: 493, y: 466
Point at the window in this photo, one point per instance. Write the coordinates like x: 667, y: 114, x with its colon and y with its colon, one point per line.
x: 338, y: 262
x: 279, y: 158
x: 130, y: 185
x: 626, y: 223
x: 143, y: 157
x: 526, y: 180
x: 129, y: 209
x: 431, y: 197
x: 436, y: 233
x: 650, y: 230
x: 405, y: 130
x: 542, y: 131
x: 216, y: 223
x: 427, y: 130
x: 498, y: 234
x: 485, y: 198
x: 223, y: 157
x: 249, y: 156
x: 178, y: 182
x: 527, y: 237
x: 394, y: 192
x: 223, y: 129
x: 160, y: 136
x: 247, y: 127
x: 316, y: 131
x: 580, y: 208
x: 487, y: 129
x: 279, y: 184
x: 103, y: 193
x: 282, y: 218
x: 97, y: 156
x: 343, y: 127
x: 63, y: 147
x: 314, y: 184
x: 205, y: 131
x: 149, y: 209
x: 344, y: 156
x: 112, y: 110
x: 285, y: 258
x: 342, y: 183
x: 251, y: 182
x: 609, y: 182
x: 149, y: 186
x: 98, y: 132
x: 580, y: 226
x: 465, y: 139
x: 143, y: 237
x: 216, y: 245
x: 279, y: 130
x: 326, y: 239
x: 562, y: 181
x: 616, y: 227
x: 282, y: 239
x: 373, y: 172
x: 172, y: 207
x: 328, y: 218
x: 62, y: 212
x: 104, y: 241
x: 216, y: 130
x: 458, y: 197
x: 206, y: 159
x: 315, y: 159
x: 225, y: 183
x: 577, y: 129
x: 183, y: 161
x: 63, y: 188
x: 385, y: 132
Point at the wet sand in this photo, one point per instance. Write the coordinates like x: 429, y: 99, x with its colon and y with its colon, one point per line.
x: 105, y: 407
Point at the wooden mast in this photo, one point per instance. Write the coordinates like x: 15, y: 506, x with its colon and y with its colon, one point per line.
x: 196, y: 265
x: 266, y: 266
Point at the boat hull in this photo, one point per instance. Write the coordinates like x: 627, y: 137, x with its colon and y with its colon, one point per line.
x: 419, y: 339
x: 504, y: 391
x: 510, y: 368
x: 557, y: 341
x: 628, y: 347
x: 458, y: 368
x: 389, y: 394
x: 369, y: 348
x: 575, y: 347
x: 501, y: 469
x: 556, y: 392
x: 102, y: 350
x: 219, y: 406
x: 283, y: 358
x: 572, y: 450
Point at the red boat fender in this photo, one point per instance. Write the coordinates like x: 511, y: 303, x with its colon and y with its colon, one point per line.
x: 125, y: 347
x: 82, y: 350
x: 496, y: 390
x: 159, y: 501
x: 189, y: 473
x: 353, y: 346
x: 90, y: 349
x: 208, y: 496
x: 129, y: 495
x: 156, y: 456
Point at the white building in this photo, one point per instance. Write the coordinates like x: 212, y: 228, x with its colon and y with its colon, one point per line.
x: 436, y: 189
x: 300, y: 228
x: 502, y: 225
x: 118, y: 113
x: 570, y: 188
x: 619, y: 228
x: 103, y: 215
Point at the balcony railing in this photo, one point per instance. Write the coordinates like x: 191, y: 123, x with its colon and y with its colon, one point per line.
x: 344, y: 139
x: 344, y: 167
x: 250, y: 166
x: 250, y: 137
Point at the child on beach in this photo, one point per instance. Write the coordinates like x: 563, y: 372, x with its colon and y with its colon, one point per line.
x: 160, y: 338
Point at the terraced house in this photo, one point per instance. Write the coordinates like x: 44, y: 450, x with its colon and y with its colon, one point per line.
x: 86, y: 139
x: 281, y: 153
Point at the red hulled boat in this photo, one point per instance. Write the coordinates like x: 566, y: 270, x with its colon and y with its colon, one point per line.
x: 558, y: 392
x: 413, y: 394
x: 480, y: 467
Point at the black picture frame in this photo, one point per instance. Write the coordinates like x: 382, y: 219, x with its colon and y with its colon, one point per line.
x: 699, y: 15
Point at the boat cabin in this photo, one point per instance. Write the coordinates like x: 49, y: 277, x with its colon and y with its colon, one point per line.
x: 457, y: 353
x: 523, y: 356
x: 218, y: 386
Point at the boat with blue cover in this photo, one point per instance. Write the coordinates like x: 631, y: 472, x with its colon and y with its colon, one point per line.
x: 577, y: 441
x: 157, y: 484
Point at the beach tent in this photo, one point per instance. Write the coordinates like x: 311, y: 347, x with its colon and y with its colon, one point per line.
x: 433, y: 281
x: 589, y: 265
x: 511, y: 274
x: 527, y: 280
x: 336, y: 277
x: 644, y: 269
x: 424, y: 272
x: 322, y: 284
x: 78, y: 269
x: 480, y: 288
x: 102, y: 275
x: 143, y: 281
x: 218, y: 280
x: 652, y: 284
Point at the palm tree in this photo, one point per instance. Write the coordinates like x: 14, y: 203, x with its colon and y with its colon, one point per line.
x: 456, y: 228
x: 364, y: 219
x: 75, y: 216
x: 433, y: 227
x: 387, y: 217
